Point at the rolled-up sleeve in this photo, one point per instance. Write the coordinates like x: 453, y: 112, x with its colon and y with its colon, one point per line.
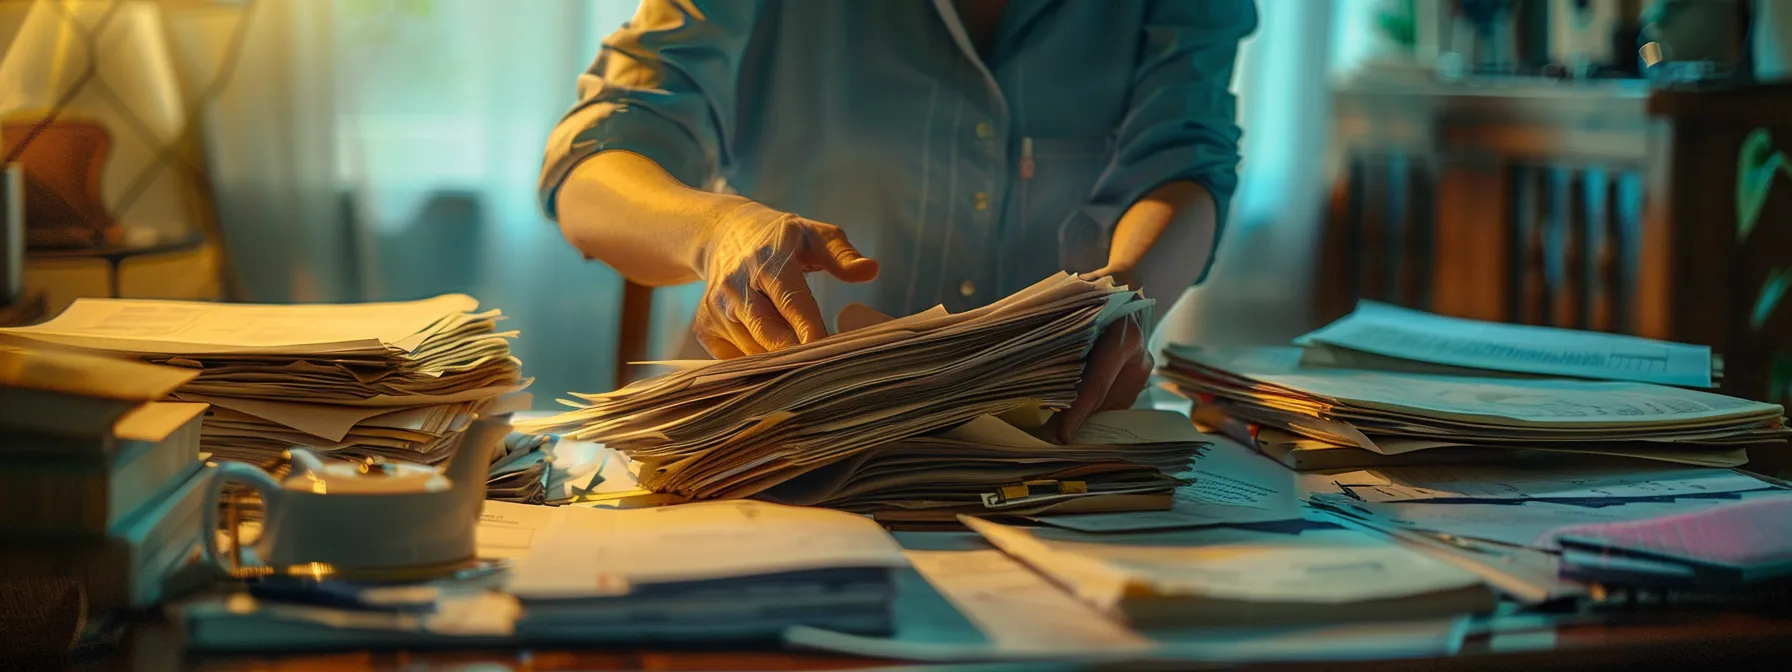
x: 663, y: 86
x: 1182, y: 122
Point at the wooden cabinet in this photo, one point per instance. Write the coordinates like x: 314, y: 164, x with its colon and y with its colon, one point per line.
x: 1604, y: 206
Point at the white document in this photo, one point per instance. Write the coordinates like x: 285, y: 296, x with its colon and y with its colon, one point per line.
x: 1133, y: 426
x: 1409, y: 334
x: 1018, y: 610
x: 1215, y: 488
x: 591, y: 552
x: 508, y: 531
x: 1492, y: 482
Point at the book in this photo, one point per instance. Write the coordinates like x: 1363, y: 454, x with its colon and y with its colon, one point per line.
x: 1235, y: 577
x: 79, y: 494
x: 710, y: 571
x: 124, y: 570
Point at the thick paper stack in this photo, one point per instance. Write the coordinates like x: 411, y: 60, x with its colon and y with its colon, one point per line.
x: 1124, y: 456
x: 738, y: 427
x: 1392, y: 413
x: 393, y: 380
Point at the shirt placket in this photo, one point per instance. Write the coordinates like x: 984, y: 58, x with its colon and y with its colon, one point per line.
x: 968, y: 258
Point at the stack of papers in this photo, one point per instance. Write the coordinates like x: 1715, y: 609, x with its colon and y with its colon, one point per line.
x: 1233, y: 577
x: 392, y: 380
x: 714, y: 571
x: 738, y: 427
x: 1389, y: 412
x: 1120, y: 460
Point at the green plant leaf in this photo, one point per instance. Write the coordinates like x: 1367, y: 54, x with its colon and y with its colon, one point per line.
x: 1756, y: 164
x: 1772, y: 291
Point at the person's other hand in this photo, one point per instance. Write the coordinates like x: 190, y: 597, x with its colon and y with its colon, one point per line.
x: 1115, y: 372
x: 756, y: 297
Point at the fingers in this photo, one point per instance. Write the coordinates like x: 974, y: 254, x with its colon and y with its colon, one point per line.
x: 826, y: 246
x: 720, y: 316
x: 1132, y: 380
x: 713, y: 337
x: 790, y: 295
x: 764, y: 323
x: 1106, y: 360
x: 1122, y: 275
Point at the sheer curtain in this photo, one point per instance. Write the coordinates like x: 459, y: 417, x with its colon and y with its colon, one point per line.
x: 1259, y: 286
x: 442, y: 110
x: 388, y: 149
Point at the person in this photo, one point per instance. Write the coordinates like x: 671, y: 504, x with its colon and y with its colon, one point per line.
x: 908, y: 153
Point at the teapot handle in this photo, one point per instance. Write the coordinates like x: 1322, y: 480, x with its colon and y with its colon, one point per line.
x: 227, y: 472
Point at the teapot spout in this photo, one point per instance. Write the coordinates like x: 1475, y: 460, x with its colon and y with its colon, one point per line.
x: 472, y: 460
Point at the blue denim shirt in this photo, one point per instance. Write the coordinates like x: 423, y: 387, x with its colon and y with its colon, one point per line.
x: 966, y: 177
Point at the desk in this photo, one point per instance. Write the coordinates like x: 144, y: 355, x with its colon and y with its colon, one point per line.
x: 1685, y: 638
x: 1659, y: 640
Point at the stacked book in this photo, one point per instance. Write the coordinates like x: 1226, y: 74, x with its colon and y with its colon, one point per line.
x: 100, y: 480
x: 708, y: 571
x: 742, y: 427
x: 1346, y: 398
x: 389, y: 380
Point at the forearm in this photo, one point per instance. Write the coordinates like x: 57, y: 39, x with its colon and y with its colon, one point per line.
x: 623, y: 209
x: 1162, y: 243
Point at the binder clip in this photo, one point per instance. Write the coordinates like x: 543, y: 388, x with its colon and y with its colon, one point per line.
x: 1027, y: 490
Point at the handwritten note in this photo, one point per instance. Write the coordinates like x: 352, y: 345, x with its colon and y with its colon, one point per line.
x: 1213, y: 488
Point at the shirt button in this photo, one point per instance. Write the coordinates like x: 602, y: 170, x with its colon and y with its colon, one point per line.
x: 984, y: 131
x: 966, y: 289
x: 982, y: 201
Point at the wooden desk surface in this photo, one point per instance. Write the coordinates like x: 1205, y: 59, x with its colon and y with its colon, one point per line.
x: 1647, y: 639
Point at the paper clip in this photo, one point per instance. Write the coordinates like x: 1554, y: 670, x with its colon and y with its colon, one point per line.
x: 1012, y: 494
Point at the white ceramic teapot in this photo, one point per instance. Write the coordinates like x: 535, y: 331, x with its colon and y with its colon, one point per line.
x: 365, y: 517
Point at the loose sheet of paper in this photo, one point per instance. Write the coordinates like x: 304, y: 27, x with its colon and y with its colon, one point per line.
x: 1492, y: 482
x: 1018, y: 610
x: 509, y: 531
x: 188, y: 327
x: 1398, y: 332
x: 89, y: 376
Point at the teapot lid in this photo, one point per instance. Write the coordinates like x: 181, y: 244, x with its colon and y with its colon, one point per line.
x: 368, y: 477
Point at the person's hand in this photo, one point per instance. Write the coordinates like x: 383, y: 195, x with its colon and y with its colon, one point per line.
x: 1115, y: 372
x: 755, y: 297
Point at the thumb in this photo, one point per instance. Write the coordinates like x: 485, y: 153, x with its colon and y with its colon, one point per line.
x: 826, y: 246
